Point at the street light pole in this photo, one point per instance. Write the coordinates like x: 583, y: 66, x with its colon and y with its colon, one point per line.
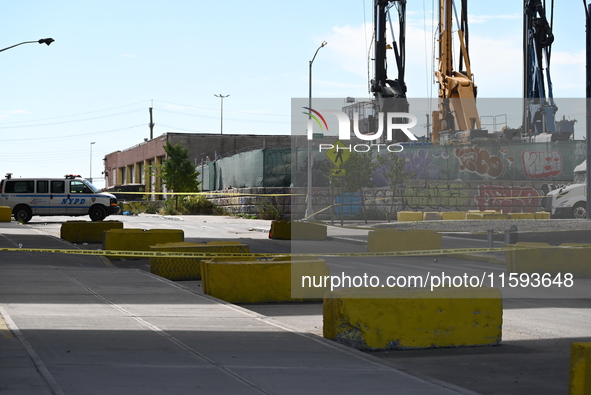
x: 309, y: 210
x: 90, y: 171
x: 588, y: 102
x: 42, y: 41
x: 222, y: 97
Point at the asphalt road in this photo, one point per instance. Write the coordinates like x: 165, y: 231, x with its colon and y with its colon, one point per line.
x: 537, y: 330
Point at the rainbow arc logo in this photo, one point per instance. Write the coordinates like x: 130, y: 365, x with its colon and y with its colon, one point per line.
x: 315, y: 115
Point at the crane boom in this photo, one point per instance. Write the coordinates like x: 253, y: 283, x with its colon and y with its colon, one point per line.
x: 389, y: 94
x: 457, y: 110
x: 540, y: 109
x: 382, y: 86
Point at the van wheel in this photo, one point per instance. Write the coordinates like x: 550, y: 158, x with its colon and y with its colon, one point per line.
x: 97, y: 213
x: 580, y: 210
x: 22, y: 214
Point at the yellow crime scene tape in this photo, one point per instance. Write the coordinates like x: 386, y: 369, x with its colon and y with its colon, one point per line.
x: 229, y: 193
x: 205, y: 193
x: 149, y: 254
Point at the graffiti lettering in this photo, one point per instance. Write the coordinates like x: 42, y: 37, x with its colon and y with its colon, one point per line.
x: 479, y: 161
x: 507, y: 199
x: 436, y: 196
x: 541, y: 164
x: 421, y: 164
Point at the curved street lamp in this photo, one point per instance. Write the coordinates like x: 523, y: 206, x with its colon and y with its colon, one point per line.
x: 309, y: 211
x: 41, y: 41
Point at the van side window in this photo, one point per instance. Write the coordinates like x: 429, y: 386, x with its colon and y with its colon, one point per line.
x: 58, y: 186
x: 42, y: 186
x: 78, y: 187
x: 20, y: 187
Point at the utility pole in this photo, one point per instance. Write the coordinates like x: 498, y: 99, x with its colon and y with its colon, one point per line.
x: 588, y: 102
x: 151, y: 125
x: 90, y: 169
x: 428, y: 125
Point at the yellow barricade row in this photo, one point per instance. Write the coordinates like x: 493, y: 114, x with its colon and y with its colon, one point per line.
x: 148, y: 254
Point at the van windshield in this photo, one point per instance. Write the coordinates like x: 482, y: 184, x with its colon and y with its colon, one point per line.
x: 580, y: 177
x: 92, y: 187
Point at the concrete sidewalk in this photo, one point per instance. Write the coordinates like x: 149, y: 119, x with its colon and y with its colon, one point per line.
x: 71, y: 325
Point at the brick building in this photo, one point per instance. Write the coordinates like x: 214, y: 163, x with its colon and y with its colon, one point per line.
x: 134, y: 165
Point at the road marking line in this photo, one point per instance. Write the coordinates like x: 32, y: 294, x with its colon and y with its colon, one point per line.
x: 37, y: 361
x: 4, y: 329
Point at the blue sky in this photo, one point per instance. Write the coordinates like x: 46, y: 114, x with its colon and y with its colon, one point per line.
x: 112, y: 60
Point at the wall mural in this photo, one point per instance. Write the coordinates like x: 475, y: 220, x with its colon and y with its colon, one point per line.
x: 507, y: 199
x: 449, y: 196
x: 541, y: 164
x: 507, y: 177
x: 554, y: 162
x: 479, y: 161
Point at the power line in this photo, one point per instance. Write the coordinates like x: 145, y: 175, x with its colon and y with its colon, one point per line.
x: 217, y: 110
x: 225, y: 118
x: 2, y: 126
x: 58, y: 138
x: 74, y: 115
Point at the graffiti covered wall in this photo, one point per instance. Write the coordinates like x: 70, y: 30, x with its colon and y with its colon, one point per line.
x: 505, y: 177
x: 495, y: 161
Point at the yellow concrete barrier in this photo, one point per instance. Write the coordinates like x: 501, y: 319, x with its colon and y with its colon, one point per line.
x: 474, y: 215
x: 297, y: 231
x: 542, y: 215
x: 5, y: 214
x: 174, y: 268
x: 374, y: 319
x: 87, y: 232
x: 432, y: 216
x: 266, y: 281
x: 522, y: 216
x: 453, y: 215
x: 494, y: 216
x: 543, y: 258
x: 579, y: 382
x: 405, y: 216
x: 139, y: 239
x: 485, y: 214
x: 382, y: 240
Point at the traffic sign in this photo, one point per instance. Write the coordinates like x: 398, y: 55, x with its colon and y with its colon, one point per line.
x: 339, y: 153
x: 338, y: 172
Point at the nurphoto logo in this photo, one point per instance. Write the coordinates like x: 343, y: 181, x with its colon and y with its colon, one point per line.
x: 394, y: 121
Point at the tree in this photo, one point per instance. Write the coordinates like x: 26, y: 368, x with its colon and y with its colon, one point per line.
x: 359, y: 170
x: 177, y: 171
x: 393, y: 167
x: 358, y: 174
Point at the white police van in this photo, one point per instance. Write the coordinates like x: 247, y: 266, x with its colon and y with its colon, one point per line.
x: 70, y: 195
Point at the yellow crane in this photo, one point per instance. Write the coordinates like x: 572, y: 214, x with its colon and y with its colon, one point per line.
x: 457, y: 116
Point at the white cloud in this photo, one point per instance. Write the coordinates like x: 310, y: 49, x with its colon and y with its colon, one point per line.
x: 496, y: 60
x: 488, y: 18
x: 497, y: 66
x: 567, y: 58
x: 9, y: 113
x: 568, y: 73
x: 351, y: 50
x: 338, y: 84
x: 349, y: 46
